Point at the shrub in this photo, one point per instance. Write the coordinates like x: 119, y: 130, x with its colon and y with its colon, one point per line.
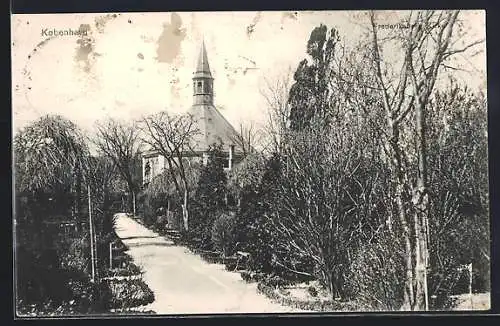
x: 252, y: 276
x: 246, y: 276
x: 129, y: 270
x: 129, y: 293
x: 223, y: 234
x: 376, y: 276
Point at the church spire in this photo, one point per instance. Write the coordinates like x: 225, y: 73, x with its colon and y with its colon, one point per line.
x: 203, y: 68
x: 202, y: 80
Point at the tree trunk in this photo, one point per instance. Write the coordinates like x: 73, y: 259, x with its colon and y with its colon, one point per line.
x: 399, y: 181
x: 185, y: 212
x: 133, y: 203
x: 421, y: 204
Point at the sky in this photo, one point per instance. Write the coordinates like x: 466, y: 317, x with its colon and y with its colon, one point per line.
x: 134, y: 64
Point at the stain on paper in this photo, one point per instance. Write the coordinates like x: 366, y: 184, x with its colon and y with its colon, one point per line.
x: 169, y: 42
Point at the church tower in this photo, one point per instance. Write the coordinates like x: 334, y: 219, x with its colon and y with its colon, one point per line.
x: 203, y: 93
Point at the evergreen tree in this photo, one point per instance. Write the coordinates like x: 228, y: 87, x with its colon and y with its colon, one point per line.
x: 209, y: 199
x: 310, y: 95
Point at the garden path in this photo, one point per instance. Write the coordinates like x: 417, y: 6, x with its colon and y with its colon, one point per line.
x: 185, y: 284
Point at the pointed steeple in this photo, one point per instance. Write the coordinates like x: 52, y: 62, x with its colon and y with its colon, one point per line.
x: 202, y: 80
x: 203, y: 68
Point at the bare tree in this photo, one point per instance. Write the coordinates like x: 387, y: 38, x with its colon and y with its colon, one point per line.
x: 425, y: 47
x: 173, y: 136
x: 247, y: 138
x: 121, y: 143
x: 275, y: 93
x: 323, y: 202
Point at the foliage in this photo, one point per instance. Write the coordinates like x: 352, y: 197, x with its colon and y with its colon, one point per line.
x: 47, y: 153
x: 376, y: 278
x: 54, y: 170
x: 313, y: 292
x: 253, y: 232
x: 247, y: 173
x: 223, y: 234
x: 209, y: 199
x: 458, y: 179
x: 310, y: 96
x: 172, y: 136
x: 341, y: 202
x: 129, y: 293
x: 120, y: 143
x: 161, y: 193
x: 129, y: 270
x: 50, y: 160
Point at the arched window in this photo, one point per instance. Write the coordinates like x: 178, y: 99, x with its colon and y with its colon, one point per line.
x: 199, y: 86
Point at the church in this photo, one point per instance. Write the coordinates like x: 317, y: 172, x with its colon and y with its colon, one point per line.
x: 211, y: 124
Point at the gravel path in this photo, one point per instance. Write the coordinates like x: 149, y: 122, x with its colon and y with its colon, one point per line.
x: 183, y: 283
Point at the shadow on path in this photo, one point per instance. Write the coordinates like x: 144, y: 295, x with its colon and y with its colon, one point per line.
x: 140, y: 237
x: 149, y: 244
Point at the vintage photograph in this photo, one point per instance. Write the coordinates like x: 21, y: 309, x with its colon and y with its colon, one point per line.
x: 267, y: 162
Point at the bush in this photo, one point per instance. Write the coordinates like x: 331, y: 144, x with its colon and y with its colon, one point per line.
x: 376, y: 276
x: 129, y: 270
x: 129, y: 294
x: 251, y: 276
x: 223, y: 234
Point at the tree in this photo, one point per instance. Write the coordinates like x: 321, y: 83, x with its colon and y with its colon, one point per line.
x: 246, y: 139
x: 328, y: 198
x: 324, y: 193
x: 210, y: 197
x: 50, y: 159
x: 223, y: 234
x: 172, y: 136
x: 275, y: 93
x: 458, y: 188
x: 105, y: 172
x: 248, y: 173
x: 121, y: 143
x: 310, y: 96
x: 253, y: 232
x: 161, y: 191
x: 425, y: 47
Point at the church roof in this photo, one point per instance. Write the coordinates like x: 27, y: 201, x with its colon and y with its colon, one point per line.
x: 212, y: 127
